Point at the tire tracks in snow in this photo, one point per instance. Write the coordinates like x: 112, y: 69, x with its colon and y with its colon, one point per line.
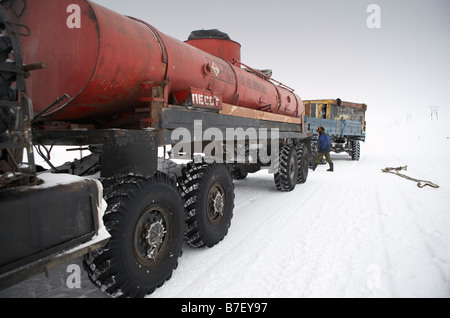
x: 343, y: 239
x: 302, y: 246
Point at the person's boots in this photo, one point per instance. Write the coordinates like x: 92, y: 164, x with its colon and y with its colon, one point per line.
x: 331, y: 167
x: 314, y: 166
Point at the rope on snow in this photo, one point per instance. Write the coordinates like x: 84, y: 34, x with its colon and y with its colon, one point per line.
x: 420, y: 183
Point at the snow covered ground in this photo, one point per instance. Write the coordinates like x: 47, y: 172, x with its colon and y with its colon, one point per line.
x: 356, y: 232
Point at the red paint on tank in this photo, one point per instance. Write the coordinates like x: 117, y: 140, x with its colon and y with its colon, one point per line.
x: 102, y: 63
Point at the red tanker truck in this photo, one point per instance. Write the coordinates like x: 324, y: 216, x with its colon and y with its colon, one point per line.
x: 167, y: 125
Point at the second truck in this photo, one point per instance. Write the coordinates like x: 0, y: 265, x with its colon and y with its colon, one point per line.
x: 344, y: 122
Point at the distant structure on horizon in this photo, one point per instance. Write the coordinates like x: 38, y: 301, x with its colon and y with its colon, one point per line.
x: 434, y: 112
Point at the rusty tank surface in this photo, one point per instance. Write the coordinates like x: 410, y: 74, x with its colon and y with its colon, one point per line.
x: 99, y: 59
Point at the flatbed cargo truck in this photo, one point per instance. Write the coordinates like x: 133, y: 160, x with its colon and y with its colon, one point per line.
x: 344, y: 122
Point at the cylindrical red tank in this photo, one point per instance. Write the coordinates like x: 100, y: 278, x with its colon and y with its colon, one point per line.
x: 100, y: 59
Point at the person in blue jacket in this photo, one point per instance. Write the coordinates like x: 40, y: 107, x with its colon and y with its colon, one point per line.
x: 324, y: 149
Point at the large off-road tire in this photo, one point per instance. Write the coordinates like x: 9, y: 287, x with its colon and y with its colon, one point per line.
x: 7, y: 93
x: 356, y: 150
x: 303, y: 163
x: 208, y: 191
x: 239, y: 173
x: 286, y: 176
x: 314, y: 152
x: 145, y: 218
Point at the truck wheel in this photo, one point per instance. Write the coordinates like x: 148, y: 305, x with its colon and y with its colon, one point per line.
x: 314, y: 153
x: 286, y: 176
x: 303, y: 163
x: 145, y: 218
x: 208, y: 191
x: 239, y: 173
x: 356, y: 150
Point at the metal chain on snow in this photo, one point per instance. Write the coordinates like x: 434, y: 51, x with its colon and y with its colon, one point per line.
x: 420, y: 183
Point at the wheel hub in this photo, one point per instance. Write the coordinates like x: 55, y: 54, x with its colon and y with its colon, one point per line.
x: 151, y: 234
x: 154, y: 238
x: 216, y: 203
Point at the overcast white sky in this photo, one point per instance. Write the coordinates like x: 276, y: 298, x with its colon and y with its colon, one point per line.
x: 324, y: 48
